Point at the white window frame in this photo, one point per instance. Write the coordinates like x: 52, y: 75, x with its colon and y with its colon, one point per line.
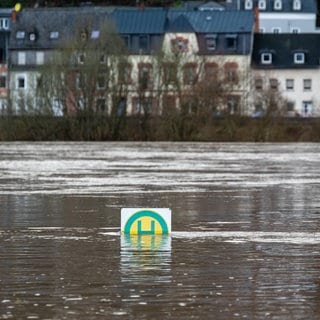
x: 277, y: 5
x: 296, y: 5
x: 266, y: 58
x: 32, y: 36
x: 248, y: 5
x: 4, y: 23
x: 22, y: 58
x: 262, y: 5
x: 299, y: 57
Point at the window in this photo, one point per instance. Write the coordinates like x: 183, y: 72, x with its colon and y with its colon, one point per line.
x: 211, y: 42
x: 4, y: 23
x: 54, y: 35
x: 277, y: 5
x: 307, y: 84
x: 266, y: 58
x: 101, y: 81
x: 297, y: 5
x: 189, y: 73
x: 262, y: 30
x: 233, y: 104
x: 124, y: 74
x: 231, y: 41
x: 101, y: 105
x: 248, y: 4
x: 145, y: 76
x: 3, y: 81
x: 21, y: 82
x: 179, y: 44
x: 143, y: 105
x: 170, y: 73
x: 144, y: 43
x: 299, y: 58
x: 262, y: 5
x: 39, y: 57
x: 258, y: 84
x: 20, y: 35
x: 168, y: 104
x: 231, y: 72
x: 211, y: 71
x: 289, y: 84
x: 295, y: 30
x: 95, y: 34
x: 273, y: 84
x: 276, y: 30
x: 126, y: 40
x: 103, y: 59
x: 32, y: 36
x: 21, y: 58
x: 290, y: 106
x: 81, y: 58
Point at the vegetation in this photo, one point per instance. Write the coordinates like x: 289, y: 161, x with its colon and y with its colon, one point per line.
x: 232, y: 128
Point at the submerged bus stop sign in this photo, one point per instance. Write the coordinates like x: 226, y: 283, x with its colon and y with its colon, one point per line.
x: 143, y: 221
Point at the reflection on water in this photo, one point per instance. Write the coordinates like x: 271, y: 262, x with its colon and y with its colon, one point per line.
x: 245, y: 240
x: 146, y: 258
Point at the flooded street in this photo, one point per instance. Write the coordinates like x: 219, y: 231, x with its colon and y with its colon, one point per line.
x: 245, y: 221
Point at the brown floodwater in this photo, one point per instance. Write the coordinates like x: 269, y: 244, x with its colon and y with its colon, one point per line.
x: 245, y: 241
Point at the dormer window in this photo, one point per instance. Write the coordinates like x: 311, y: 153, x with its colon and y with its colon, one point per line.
x: 248, y: 5
x: 297, y: 5
x: 299, y: 58
x: 266, y: 58
x: 32, y: 36
x: 262, y: 5
x: 54, y: 35
x: 277, y: 5
x: 95, y: 34
x: 211, y: 40
x: 20, y: 35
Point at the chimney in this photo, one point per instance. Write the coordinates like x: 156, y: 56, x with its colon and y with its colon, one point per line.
x: 256, y: 20
x: 14, y: 15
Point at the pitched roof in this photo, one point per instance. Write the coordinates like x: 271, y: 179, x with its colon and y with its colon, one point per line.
x: 147, y: 21
x: 283, y: 46
x: 215, y: 21
x: 64, y: 21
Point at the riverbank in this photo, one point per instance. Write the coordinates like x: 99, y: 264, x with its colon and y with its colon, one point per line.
x: 241, y: 129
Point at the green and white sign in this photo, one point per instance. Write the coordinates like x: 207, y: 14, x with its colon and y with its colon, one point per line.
x: 145, y: 221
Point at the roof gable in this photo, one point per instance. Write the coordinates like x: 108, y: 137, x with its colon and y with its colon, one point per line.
x: 180, y: 24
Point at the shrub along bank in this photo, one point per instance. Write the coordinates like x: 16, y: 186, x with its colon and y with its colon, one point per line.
x: 242, y: 129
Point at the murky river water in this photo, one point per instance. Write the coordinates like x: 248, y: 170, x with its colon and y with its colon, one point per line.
x: 245, y: 241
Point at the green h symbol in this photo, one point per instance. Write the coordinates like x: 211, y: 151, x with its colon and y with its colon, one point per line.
x: 150, y: 231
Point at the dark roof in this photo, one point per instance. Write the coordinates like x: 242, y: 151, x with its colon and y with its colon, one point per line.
x: 283, y: 46
x: 147, y: 21
x: 180, y: 24
x: 65, y: 21
x: 216, y: 21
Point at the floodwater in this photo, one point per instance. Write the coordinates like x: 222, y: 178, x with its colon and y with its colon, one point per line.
x: 245, y: 241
